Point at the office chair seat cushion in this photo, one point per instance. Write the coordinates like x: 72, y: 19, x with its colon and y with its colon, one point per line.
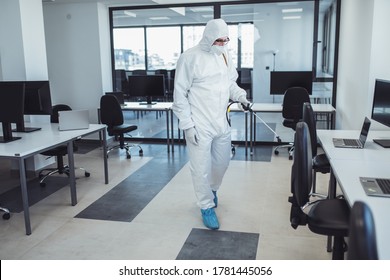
x: 57, y: 151
x: 329, y: 217
x: 123, y: 128
x: 291, y: 123
x: 321, y: 163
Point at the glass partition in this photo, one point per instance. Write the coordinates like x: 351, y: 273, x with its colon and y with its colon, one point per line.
x: 264, y: 37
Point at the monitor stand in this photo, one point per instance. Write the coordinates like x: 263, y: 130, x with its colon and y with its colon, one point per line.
x: 385, y: 143
x: 148, y: 101
x: 7, y: 134
x: 21, y: 128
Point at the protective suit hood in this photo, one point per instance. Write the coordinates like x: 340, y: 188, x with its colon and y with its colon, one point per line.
x: 215, y: 28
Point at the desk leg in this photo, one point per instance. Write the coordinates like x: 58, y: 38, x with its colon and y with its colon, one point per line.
x: 72, y: 177
x: 23, y: 188
x: 333, y: 116
x: 253, y: 125
x: 246, y: 133
x: 172, y: 136
x: 331, y: 194
x: 104, y: 134
x: 168, y: 143
x: 251, y: 134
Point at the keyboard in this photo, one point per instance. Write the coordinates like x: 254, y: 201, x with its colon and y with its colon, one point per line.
x: 351, y: 142
x: 384, y: 184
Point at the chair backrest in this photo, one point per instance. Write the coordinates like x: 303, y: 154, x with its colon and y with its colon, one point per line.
x: 309, y: 118
x: 119, y: 95
x: 166, y: 78
x: 110, y: 111
x: 57, y: 108
x: 301, y: 177
x: 362, y: 238
x: 293, y: 100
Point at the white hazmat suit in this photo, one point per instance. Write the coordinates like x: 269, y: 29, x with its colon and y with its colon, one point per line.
x: 205, y: 80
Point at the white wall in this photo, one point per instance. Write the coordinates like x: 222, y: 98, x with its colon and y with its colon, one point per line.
x: 77, y: 40
x: 22, y: 44
x: 363, y: 57
x: 33, y: 39
x: 293, y: 40
x: 380, y: 54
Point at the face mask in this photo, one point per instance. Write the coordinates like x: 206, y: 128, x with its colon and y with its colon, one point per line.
x: 218, y: 50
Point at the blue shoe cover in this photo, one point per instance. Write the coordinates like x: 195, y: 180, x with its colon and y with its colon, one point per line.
x: 210, y: 220
x: 215, y: 199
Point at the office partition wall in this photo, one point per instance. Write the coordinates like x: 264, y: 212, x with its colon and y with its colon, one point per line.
x: 264, y: 37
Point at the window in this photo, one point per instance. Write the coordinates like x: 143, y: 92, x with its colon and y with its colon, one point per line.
x: 264, y: 36
x: 163, y: 47
x: 129, y: 48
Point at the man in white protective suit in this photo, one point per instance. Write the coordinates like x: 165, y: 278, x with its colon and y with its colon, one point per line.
x: 205, y: 80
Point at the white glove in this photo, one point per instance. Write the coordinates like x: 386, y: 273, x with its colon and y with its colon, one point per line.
x: 192, y: 135
x: 243, y: 101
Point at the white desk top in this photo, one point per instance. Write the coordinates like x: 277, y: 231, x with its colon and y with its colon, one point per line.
x: 371, y: 151
x: 159, y: 106
x: 347, y: 173
x: 350, y: 164
x: 48, y: 137
x: 277, y: 108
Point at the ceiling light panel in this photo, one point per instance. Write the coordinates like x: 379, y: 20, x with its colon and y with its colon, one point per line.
x: 296, y: 10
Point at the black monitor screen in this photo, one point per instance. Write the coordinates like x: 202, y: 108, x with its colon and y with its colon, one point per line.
x: 37, y: 98
x: 381, y: 103
x: 11, y: 108
x: 149, y: 86
x: 282, y: 80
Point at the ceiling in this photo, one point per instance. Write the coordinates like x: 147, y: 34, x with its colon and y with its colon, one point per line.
x: 133, y: 2
x: 242, y: 13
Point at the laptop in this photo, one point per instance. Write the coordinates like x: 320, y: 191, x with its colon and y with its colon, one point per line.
x: 354, y: 143
x: 74, y: 119
x: 376, y: 186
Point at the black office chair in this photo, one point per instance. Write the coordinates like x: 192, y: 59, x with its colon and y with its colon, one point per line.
x: 119, y: 95
x: 111, y: 115
x: 362, y: 237
x: 244, y: 80
x: 320, y: 161
x: 328, y: 217
x: 58, y: 152
x: 293, y: 100
x: 6, y: 214
x: 164, y: 72
x: 121, y: 83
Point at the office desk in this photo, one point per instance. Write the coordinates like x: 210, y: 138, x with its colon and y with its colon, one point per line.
x: 45, y: 139
x: 371, y: 151
x: 159, y: 106
x: 326, y: 109
x: 349, y: 164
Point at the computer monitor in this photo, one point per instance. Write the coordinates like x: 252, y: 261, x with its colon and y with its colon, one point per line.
x: 11, y: 108
x: 381, y: 107
x: 148, y: 86
x: 282, y: 80
x: 37, y: 101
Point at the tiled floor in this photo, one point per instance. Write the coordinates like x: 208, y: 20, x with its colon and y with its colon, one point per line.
x: 148, y: 211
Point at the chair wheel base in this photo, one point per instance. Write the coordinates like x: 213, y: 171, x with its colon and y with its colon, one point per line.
x: 276, y: 152
x: 141, y: 153
x: 87, y: 174
x: 6, y: 216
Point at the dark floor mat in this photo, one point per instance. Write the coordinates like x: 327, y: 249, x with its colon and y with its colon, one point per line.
x: 126, y: 200
x: 12, y: 199
x: 204, y: 244
x: 85, y: 146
